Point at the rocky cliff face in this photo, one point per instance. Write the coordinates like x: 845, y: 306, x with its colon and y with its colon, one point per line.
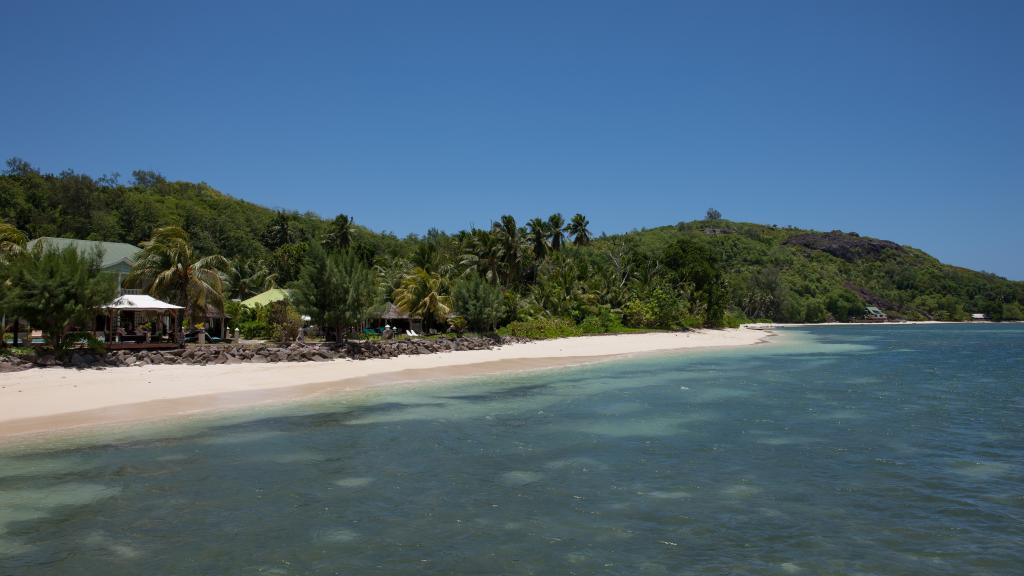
x: 849, y: 247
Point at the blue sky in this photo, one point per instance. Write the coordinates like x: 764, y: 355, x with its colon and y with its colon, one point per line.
x: 903, y: 120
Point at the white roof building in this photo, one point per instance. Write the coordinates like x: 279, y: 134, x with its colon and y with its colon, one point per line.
x: 141, y: 302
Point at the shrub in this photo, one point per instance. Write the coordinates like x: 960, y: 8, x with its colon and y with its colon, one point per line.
x: 478, y: 301
x: 541, y: 328
x: 284, y: 321
x: 602, y: 321
x: 59, y: 290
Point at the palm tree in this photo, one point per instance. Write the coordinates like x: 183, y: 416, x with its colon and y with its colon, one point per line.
x: 510, y: 245
x: 482, y: 255
x: 250, y: 277
x: 280, y: 230
x: 12, y: 240
x: 556, y: 230
x: 577, y: 228
x: 538, y: 237
x: 423, y: 294
x: 169, y: 268
x: 339, y: 233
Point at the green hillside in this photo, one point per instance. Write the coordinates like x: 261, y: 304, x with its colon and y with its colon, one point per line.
x: 710, y: 272
x: 792, y: 275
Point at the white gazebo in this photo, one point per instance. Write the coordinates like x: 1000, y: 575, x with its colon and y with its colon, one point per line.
x: 140, y: 305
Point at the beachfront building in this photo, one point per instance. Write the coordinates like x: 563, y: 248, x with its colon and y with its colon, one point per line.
x: 874, y: 314
x: 117, y: 257
x: 268, y: 297
x: 392, y: 316
x: 138, y: 321
x: 978, y: 317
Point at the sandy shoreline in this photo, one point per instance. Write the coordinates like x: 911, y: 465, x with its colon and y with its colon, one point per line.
x: 44, y: 400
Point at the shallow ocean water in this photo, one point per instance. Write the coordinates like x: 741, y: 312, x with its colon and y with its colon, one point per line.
x: 846, y: 450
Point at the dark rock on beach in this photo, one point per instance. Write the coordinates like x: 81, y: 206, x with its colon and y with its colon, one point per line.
x: 261, y: 353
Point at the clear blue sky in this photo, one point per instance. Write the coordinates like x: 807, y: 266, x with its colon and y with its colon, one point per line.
x: 898, y: 119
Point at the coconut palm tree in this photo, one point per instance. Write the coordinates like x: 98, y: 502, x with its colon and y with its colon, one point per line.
x: 510, y: 247
x: 247, y: 278
x: 12, y: 240
x: 339, y: 233
x: 424, y: 294
x: 577, y: 228
x: 481, y: 255
x: 537, y: 236
x: 556, y: 231
x: 168, y: 268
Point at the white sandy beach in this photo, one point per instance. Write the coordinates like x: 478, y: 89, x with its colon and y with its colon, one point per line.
x: 51, y: 399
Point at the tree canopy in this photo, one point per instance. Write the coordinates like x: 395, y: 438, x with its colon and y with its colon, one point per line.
x: 57, y: 291
x: 709, y: 272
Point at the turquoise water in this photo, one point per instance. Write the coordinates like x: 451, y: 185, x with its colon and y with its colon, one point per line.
x: 844, y: 450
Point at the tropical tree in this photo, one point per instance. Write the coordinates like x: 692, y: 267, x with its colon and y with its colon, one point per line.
x: 481, y: 255
x: 246, y: 278
x: 694, y: 265
x: 339, y: 233
x: 282, y: 229
x: 424, y: 294
x: 510, y: 248
x: 169, y: 268
x: 713, y: 214
x: 577, y: 228
x: 556, y: 231
x: 559, y: 288
x: 58, y: 291
x: 478, y: 301
x: 336, y: 290
x: 537, y: 236
x: 12, y: 241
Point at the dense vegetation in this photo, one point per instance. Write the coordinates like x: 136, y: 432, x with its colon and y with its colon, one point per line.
x: 56, y: 291
x: 550, y: 276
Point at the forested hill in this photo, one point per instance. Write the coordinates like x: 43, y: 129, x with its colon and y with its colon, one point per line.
x: 544, y: 267
x: 791, y: 275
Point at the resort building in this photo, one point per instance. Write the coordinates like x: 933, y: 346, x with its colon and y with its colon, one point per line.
x: 874, y: 314
x: 117, y: 257
x: 392, y: 316
x: 268, y: 297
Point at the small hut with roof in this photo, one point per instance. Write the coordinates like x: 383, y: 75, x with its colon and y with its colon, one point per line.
x: 393, y: 316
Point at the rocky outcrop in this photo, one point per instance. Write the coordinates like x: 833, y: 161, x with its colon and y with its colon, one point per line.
x: 262, y: 353
x: 850, y: 247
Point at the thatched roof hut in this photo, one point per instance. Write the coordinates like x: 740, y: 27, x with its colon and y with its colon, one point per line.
x: 392, y: 312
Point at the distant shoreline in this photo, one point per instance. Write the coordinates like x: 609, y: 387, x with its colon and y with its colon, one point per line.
x: 772, y: 325
x: 43, y: 401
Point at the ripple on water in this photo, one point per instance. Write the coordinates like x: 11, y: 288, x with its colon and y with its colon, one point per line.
x: 521, y: 477
x: 981, y: 470
x: 737, y: 462
x: 338, y: 535
x: 119, y: 548
x: 353, y: 482
x: 578, y: 463
x: 739, y: 491
x: 18, y: 505
x: 49, y: 466
x: 668, y: 494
